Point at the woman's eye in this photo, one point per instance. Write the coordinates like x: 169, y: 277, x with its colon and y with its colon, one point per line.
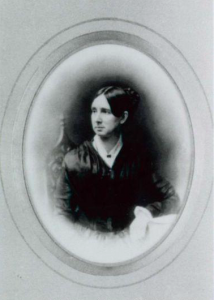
x: 106, y: 112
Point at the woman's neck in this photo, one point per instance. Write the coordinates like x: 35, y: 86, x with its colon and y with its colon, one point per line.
x: 109, y: 142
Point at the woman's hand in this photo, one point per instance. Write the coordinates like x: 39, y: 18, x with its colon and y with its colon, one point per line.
x: 140, y: 224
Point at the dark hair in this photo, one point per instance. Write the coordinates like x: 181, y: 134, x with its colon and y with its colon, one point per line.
x: 120, y: 99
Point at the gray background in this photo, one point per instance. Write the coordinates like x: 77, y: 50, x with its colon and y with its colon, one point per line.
x: 26, y: 26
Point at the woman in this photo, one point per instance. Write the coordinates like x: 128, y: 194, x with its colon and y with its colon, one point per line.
x: 109, y: 182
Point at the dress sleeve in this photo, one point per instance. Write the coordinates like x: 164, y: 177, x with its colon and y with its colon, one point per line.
x: 164, y: 198
x: 63, y: 193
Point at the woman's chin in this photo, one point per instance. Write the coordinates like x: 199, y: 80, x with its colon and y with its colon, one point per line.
x: 101, y: 133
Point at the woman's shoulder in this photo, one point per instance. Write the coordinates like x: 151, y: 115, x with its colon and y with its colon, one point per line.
x: 137, y: 149
x: 78, y: 157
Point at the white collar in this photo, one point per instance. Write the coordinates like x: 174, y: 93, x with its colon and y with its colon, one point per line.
x: 110, y: 157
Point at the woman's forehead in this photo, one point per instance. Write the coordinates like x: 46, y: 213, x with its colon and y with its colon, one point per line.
x: 101, y: 102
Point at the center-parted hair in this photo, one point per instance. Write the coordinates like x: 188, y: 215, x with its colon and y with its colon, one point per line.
x: 120, y: 99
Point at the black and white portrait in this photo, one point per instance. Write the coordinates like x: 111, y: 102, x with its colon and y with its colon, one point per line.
x: 106, y: 150
x: 109, y: 182
x: 108, y: 153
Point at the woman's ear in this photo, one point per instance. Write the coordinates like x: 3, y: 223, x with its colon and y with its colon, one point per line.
x: 124, y: 117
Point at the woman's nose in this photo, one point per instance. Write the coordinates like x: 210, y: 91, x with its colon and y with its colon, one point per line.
x: 98, y: 117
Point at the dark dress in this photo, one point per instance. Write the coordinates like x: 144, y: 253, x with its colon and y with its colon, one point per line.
x: 104, y: 198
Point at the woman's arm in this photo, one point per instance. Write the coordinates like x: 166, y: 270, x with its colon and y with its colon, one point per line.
x: 63, y: 193
x: 165, y: 199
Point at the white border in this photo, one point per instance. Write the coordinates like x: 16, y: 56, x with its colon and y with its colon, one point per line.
x: 12, y: 175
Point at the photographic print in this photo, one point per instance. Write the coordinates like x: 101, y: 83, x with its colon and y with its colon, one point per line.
x: 106, y: 150
x: 104, y: 126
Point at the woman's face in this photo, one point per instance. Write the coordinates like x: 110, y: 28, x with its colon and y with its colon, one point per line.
x: 104, y: 123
